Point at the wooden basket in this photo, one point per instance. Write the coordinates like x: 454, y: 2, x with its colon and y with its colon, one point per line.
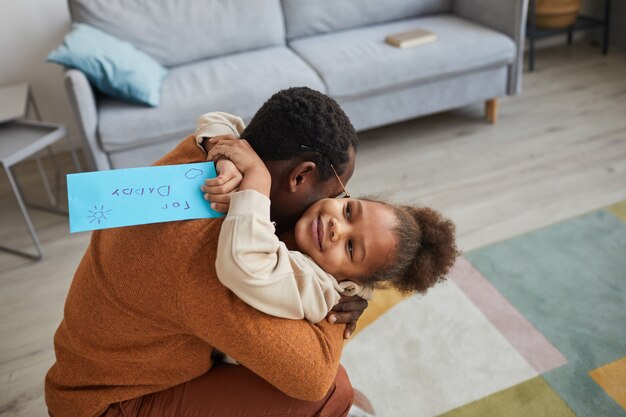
x: 556, y: 13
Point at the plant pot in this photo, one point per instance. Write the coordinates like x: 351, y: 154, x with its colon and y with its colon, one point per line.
x: 556, y: 14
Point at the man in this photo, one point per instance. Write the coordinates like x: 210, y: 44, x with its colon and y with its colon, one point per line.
x: 305, y: 140
x: 146, y: 309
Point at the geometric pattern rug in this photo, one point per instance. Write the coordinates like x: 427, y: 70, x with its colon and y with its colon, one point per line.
x: 531, y: 326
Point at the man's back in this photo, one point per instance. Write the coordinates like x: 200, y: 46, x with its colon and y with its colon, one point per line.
x: 123, y: 333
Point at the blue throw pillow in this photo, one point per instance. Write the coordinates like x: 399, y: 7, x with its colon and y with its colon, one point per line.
x: 112, y: 66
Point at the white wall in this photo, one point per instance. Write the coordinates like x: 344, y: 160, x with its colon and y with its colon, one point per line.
x: 617, y: 32
x: 29, y: 30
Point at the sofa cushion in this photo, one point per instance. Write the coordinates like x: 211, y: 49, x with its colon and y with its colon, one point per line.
x: 310, y: 17
x: 114, y: 67
x: 183, y: 31
x: 358, y: 62
x: 237, y: 84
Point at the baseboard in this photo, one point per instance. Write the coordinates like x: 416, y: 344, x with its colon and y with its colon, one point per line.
x: 558, y: 40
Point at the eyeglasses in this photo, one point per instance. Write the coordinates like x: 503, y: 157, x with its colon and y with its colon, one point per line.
x: 344, y: 193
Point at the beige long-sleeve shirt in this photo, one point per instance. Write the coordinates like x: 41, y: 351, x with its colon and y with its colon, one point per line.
x: 255, y: 265
x: 217, y: 123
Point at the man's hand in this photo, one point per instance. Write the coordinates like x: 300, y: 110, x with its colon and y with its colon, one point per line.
x: 348, y: 311
x: 217, y: 190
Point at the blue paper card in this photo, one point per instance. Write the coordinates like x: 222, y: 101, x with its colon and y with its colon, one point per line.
x: 132, y: 196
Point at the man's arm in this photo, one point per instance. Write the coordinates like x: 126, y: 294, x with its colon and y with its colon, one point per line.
x: 299, y: 358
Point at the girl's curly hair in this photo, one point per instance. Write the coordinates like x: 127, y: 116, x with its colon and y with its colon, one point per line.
x: 425, y: 250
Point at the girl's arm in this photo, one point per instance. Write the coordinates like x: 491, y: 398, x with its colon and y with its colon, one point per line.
x: 261, y: 271
x: 251, y: 261
x: 217, y: 123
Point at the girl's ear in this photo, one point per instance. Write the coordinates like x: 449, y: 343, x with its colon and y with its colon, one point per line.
x: 303, y: 175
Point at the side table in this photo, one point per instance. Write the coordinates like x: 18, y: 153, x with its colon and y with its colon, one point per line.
x: 581, y: 23
x: 21, y: 139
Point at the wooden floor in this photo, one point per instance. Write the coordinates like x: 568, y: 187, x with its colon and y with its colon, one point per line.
x: 557, y: 151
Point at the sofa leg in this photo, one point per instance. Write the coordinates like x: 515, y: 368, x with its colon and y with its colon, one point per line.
x: 491, y: 110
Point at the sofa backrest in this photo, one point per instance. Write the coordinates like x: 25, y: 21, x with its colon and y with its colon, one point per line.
x: 182, y: 31
x: 310, y: 17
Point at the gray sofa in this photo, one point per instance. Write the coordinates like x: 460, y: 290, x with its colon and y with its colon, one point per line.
x: 231, y: 55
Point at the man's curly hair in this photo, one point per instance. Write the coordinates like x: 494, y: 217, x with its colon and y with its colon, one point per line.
x: 301, y: 116
x: 425, y: 250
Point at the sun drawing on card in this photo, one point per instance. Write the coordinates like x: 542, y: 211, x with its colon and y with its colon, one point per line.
x: 98, y: 214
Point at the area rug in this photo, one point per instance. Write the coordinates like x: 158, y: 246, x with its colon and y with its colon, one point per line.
x: 532, y: 326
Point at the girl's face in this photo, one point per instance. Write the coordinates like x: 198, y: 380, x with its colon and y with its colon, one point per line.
x: 348, y: 238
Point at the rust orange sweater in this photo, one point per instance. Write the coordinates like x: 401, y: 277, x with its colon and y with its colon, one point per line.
x: 145, y: 310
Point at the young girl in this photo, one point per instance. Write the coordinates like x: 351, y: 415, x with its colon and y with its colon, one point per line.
x: 343, y: 246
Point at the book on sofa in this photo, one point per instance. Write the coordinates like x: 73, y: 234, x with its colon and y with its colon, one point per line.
x: 411, y: 38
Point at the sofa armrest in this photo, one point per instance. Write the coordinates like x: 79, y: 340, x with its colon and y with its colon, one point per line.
x: 85, y: 110
x: 506, y: 16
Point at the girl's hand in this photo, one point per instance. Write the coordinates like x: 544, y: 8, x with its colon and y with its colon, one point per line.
x: 238, y: 151
x: 255, y: 174
x: 217, y: 190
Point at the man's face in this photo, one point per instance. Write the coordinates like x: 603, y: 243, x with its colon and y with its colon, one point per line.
x: 288, y: 207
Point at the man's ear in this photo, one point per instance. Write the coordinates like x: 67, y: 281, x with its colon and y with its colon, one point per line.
x: 303, y: 174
